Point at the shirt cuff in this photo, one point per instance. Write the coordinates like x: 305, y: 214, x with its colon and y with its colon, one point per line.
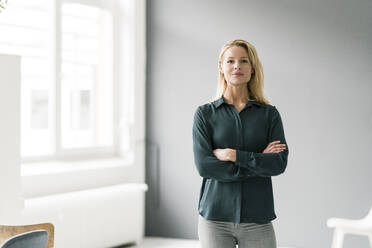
x: 244, y: 159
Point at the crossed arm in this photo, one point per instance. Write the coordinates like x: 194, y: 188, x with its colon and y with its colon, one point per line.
x: 228, y: 154
x: 231, y: 165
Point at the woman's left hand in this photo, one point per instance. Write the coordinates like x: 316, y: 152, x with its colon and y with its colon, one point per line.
x: 226, y: 154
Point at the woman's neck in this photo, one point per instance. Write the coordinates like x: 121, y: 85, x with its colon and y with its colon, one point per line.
x: 237, y: 94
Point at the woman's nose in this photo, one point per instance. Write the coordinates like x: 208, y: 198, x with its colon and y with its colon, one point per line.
x: 237, y: 66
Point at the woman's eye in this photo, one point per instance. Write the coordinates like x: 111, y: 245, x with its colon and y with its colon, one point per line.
x: 245, y: 61
x: 229, y: 61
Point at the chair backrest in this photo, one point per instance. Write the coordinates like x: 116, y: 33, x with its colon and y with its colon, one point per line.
x: 9, y: 231
x: 33, y: 239
x: 368, y: 218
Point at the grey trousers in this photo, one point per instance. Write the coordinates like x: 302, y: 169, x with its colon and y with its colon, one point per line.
x: 221, y: 234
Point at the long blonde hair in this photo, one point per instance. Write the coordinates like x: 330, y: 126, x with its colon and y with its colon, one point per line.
x: 256, y: 83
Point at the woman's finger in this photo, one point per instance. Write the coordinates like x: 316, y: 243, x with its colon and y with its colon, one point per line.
x: 281, y: 146
x: 275, y: 147
x: 271, y: 145
x: 274, y: 142
x: 272, y: 149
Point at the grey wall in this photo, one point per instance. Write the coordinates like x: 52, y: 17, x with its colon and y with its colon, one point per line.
x: 317, y: 58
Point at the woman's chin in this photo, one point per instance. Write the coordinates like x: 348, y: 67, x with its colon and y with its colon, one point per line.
x: 237, y: 83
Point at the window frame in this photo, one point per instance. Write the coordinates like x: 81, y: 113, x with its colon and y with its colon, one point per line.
x: 124, y: 115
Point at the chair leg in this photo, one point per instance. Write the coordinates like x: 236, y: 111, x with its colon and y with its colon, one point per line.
x: 338, y: 238
x: 370, y: 239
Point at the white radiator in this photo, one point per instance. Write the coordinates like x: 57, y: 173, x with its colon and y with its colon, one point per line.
x: 102, y: 217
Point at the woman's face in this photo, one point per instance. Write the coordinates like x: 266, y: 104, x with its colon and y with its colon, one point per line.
x: 235, y: 66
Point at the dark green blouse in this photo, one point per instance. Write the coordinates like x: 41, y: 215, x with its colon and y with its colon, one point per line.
x: 238, y: 191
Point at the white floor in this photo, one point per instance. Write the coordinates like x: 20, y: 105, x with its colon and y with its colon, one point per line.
x: 158, y: 242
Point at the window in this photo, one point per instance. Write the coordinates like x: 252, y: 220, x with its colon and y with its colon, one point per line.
x: 86, y: 83
x: 67, y: 82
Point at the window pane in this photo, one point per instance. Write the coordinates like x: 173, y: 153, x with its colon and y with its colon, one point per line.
x: 80, y: 110
x: 84, y: 107
x: 39, y: 105
x: 86, y: 83
x: 25, y: 30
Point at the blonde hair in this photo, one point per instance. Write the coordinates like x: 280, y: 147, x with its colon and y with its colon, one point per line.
x: 256, y: 83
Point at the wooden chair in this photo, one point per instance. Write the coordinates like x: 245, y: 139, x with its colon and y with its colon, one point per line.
x: 9, y: 231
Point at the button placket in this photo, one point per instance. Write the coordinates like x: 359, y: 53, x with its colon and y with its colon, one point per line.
x: 240, y: 146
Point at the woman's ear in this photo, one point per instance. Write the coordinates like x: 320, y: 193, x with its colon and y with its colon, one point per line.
x: 220, y: 69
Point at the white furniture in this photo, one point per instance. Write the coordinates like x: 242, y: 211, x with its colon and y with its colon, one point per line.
x: 93, y: 218
x: 347, y: 226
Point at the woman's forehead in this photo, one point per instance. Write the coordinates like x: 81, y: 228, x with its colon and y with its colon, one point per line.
x: 236, y: 52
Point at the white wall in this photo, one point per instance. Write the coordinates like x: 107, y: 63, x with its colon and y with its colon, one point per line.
x: 317, y: 59
x: 10, y: 188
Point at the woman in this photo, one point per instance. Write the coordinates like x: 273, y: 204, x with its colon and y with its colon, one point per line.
x: 238, y: 144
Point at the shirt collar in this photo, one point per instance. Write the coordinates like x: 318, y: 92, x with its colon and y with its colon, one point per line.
x: 221, y: 100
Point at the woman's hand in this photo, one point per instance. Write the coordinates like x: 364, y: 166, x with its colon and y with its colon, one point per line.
x: 226, y: 154
x: 274, y: 147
